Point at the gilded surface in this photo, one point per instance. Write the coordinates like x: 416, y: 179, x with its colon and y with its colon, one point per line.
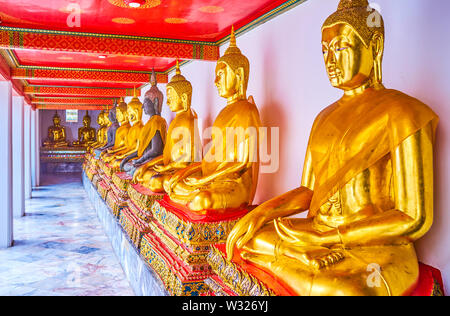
x: 227, y: 176
x: 367, y: 181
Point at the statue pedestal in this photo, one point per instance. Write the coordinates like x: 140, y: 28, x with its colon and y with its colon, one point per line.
x: 238, y: 278
x: 178, y: 242
x: 136, y: 218
x: 117, y: 198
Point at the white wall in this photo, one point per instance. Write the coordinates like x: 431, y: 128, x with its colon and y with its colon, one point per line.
x: 290, y: 87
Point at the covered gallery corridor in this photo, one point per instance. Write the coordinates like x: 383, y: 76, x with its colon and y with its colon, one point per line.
x: 60, y: 247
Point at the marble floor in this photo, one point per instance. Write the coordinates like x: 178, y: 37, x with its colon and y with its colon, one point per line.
x: 60, y: 248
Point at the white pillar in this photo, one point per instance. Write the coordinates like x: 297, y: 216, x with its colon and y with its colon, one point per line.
x: 18, y: 157
x: 27, y: 151
x: 35, y: 147
x: 38, y: 149
x: 6, y: 214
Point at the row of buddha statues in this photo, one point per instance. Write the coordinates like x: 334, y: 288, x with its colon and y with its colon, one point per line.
x: 87, y: 135
x: 367, y: 183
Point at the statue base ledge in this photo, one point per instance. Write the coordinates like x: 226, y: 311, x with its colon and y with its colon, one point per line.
x: 239, y: 278
x: 143, y: 197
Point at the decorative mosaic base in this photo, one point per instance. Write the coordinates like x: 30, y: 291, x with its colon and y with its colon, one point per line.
x: 177, y: 278
x: 143, y: 280
x: 133, y: 226
x: 121, y: 181
x: 143, y: 197
x: 233, y: 279
x: 178, y: 244
x: 115, y: 203
x: 103, y: 189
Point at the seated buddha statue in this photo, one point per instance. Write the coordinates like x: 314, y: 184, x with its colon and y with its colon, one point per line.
x: 86, y: 133
x: 110, y: 133
x: 367, y: 181
x: 56, y: 134
x: 152, y: 136
x: 227, y: 176
x: 115, y: 156
x: 119, y: 139
x: 102, y: 121
x: 182, y: 146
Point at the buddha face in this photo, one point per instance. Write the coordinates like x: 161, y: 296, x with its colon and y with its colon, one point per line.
x: 133, y: 114
x: 174, y: 101
x: 227, y: 81
x: 100, y: 120
x: 349, y: 63
x: 121, y: 116
x: 87, y: 121
x: 149, y: 107
x: 56, y: 120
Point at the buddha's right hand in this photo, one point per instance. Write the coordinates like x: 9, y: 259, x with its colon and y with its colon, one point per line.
x: 245, y: 230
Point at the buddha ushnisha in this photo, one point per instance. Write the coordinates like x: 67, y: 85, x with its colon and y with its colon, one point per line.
x: 182, y: 146
x: 122, y: 132
x: 153, y: 135
x: 227, y: 181
x: 56, y: 134
x: 134, y: 111
x: 367, y: 180
x: 86, y: 133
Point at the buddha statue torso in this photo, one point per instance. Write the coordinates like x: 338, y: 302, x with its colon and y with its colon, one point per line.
x: 228, y: 174
x: 152, y: 136
x: 134, y: 111
x: 86, y: 133
x: 182, y: 146
x: 367, y: 181
x: 56, y: 134
x: 121, y: 133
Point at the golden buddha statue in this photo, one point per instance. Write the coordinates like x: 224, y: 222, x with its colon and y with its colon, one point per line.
x: 86, y: 133
x: 134, y: 110
x: 122, y: 131
x: 56, y: 134
x: 227, y: 176
x: 183, y: 145
x: 367, y: 181
x: 101, y: 132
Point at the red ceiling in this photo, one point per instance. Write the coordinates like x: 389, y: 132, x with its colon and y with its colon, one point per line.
x: 80, y: 60
x: 202, y: 20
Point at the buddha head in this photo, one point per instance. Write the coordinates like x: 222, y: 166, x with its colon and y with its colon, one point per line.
x: 154, y: 94
x: 179, y: 92
x: 353, y: 46
x: 232, y: 72
x: 101, y: 118
x: 87, y: 120
x: 106, y: 121
x: 113, y: 114
x: 56, y: 119
x: 121, y: 112
x: 134, y: 110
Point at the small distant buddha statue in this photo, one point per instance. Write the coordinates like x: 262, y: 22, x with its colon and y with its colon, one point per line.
x: 120, y: 137
x: 227, y: 176
x: 86, y: 133
x: 153, y: 135
x: 183, y: 145
x: 134, y: 110
x: 367, y: 180
x: 56, y: 134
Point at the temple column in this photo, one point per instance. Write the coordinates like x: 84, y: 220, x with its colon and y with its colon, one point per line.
x: 35, y: 146
x: 27, y: 151
x: 6, y: 213
x: 18, y: 157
